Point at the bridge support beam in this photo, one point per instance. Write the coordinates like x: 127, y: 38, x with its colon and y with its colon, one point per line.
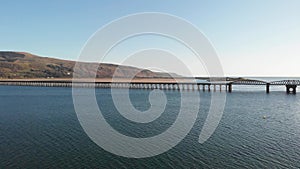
x: 268, y: 88
x: 230, y: 87
x: 291, y: 89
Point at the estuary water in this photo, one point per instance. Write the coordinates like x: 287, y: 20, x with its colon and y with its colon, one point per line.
x: 39, y: 129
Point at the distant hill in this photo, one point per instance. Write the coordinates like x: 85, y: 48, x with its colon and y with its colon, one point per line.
x: 26, y: 65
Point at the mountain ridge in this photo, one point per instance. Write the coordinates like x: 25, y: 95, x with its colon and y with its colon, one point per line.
x: 26, y: 65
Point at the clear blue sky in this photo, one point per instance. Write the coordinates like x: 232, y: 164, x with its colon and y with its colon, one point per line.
x: 253, y: 37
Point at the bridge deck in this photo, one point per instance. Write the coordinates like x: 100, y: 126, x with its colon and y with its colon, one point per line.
x: 291, y: 85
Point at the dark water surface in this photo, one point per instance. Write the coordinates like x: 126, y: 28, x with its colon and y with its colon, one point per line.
x: 39, y: 129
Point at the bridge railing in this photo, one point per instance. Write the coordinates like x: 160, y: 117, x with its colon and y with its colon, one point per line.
x: 286, y: 82
x: 249, y: 82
